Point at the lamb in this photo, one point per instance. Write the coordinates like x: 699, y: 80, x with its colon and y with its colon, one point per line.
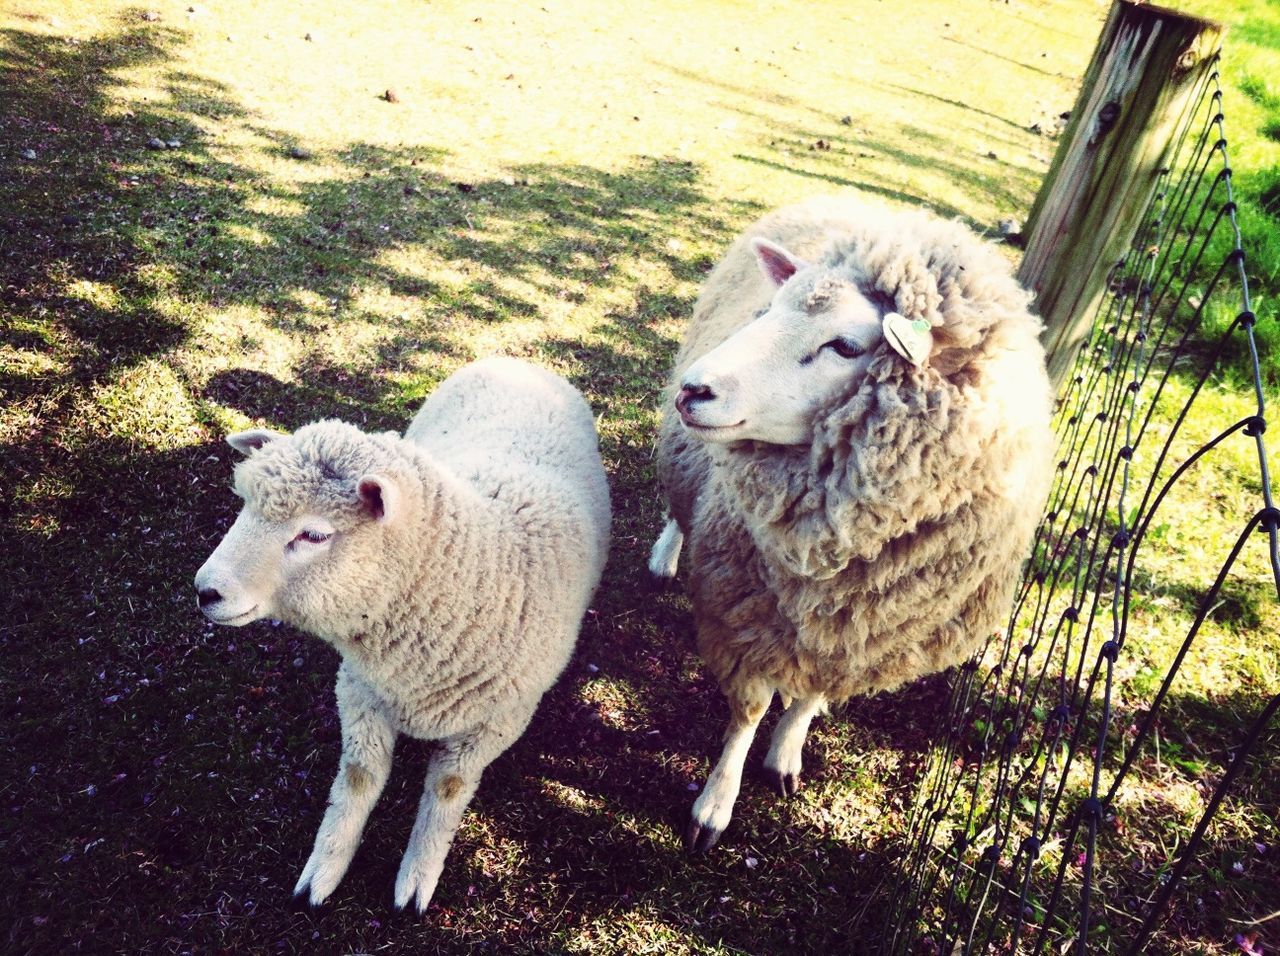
x: 855, y: 444
x: 450, y: 568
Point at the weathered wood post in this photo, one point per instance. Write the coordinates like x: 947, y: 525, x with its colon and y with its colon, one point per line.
x: 1142, y: 78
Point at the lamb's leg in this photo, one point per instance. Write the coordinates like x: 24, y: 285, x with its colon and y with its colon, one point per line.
x: 782, y: 764
x: 452, y: 778
x: 665, y: 556
x: 714, y: 807
x: 367, y: 742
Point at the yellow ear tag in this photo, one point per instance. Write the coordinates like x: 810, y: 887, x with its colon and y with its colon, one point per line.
x: 912, y: 340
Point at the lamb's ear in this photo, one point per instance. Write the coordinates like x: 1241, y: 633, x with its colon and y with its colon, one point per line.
x: 776, y: 263
x: 380, y: 496
x: 253, y: 439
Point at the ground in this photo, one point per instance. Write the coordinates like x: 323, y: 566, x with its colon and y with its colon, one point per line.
x: 240, y: 213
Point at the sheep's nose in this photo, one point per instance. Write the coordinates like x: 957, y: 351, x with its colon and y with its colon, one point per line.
x: 207, y: 596
x: 693, y: 393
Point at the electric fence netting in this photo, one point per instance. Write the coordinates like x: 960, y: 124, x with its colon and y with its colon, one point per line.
x: 1017, y: 838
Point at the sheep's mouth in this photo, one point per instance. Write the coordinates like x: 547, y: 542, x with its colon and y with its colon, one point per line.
x: 696, y: 426
x: 235, y: 620
x: 689, y: 417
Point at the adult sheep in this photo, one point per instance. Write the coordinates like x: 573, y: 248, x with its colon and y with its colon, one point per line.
x: 450, y: 568
x: 856, y: 444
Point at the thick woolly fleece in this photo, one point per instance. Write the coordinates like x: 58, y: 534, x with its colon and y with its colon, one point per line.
x: 463, y: 611
x: 888, y: 548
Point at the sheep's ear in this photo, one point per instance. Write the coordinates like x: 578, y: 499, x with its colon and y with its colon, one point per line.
x: 252, y: 440
x: 380, y: 497
x: 776, y: 263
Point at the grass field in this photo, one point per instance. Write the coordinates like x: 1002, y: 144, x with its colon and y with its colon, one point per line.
x: 552, y: 181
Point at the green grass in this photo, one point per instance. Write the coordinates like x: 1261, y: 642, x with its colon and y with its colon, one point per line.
x: 1250, y: 64
x: 554, y: 182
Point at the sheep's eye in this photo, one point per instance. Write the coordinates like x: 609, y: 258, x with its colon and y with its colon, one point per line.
x: 312, y: 537
x: 843, y: 348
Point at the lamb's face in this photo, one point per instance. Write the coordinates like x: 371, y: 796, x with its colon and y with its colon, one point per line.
x: 768, y: 380
x: 305, y: 533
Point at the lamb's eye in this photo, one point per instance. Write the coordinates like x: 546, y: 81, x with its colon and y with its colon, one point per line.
x: 312, y: 537
x: 843, y: 348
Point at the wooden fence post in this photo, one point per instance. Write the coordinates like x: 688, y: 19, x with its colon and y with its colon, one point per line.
x: 1141, y: 80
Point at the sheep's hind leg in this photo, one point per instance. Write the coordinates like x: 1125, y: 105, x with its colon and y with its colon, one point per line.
x: 714, y: 807
x: 367, y: 743
x: 782, y: 764
x: 452, y: 778
x: 664, y: 558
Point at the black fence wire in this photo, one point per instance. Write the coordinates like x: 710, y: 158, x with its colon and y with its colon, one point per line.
x: 1041, y: 739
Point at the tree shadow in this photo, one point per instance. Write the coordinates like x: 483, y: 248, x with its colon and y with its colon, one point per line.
x: 73, y: 214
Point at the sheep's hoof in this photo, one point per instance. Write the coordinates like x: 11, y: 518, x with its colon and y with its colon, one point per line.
x: 408, y: 910
x: 661, y: 583
x: 301, y: 901
x: 699, y: 838
x: 404, y: 918
x: 785, y: 784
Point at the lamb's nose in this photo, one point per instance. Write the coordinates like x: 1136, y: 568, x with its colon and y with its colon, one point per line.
x: 693, y: 393
x: 207, y: 596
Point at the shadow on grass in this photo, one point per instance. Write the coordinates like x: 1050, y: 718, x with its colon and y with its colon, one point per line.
x: 1012, y: 61
x: 69, y: 213
x: 831, y: 151
x: 1175, y: 775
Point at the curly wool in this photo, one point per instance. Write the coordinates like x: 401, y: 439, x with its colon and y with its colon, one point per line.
x: 889, y: 547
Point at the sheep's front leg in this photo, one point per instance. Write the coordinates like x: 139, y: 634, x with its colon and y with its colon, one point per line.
x: 452, y: 778
x: 664, y: 558
x: 782, y: 764
x: 368, y: 739
x: 714, y: 807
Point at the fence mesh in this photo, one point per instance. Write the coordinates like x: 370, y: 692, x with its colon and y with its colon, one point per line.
x: 1016, y: 839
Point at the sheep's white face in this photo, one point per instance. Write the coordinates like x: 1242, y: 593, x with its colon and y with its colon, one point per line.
x: 768, y: 380
x: 243, y: 579
x: 270, y: 567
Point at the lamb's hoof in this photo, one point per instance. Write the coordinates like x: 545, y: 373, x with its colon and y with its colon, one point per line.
x: 300, y: 902
x: 699, y: 838
x: 785, y: 784
x: 663, y: 583
x: 407, y: 911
